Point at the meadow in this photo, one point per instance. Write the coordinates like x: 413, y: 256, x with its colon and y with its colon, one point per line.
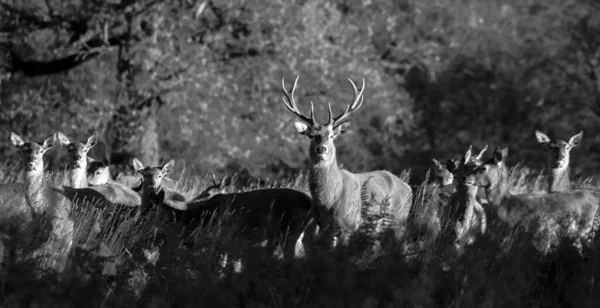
x: 140, y: 266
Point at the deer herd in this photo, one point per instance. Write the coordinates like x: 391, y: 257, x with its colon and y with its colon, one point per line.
x: 468, y: 197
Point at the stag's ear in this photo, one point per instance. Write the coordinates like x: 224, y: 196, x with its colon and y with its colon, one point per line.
x: 576, y: 139
x: 541, y: 137
x: 49, y: 142
x: 62, y: 139
x: 137, y: 165
x: 302, y: 128
x: 16, y: 140
x: 451, y: 165
x: 168, y: 167
x: 341, y: 128
x: 105, y: 161
x: 91, y: 142
x: 89, y: 159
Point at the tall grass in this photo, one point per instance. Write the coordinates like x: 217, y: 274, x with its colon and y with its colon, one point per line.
x: 127, y: 262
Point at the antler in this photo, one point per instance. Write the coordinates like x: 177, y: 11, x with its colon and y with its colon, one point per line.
x: 290, y: 103
x: 356, y: 103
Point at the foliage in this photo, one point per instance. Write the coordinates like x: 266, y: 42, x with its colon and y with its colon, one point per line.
x: 200, y: 81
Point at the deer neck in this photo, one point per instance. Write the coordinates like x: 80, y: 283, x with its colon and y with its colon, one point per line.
x: 147, y: 196
x: 77, y: 175
x: 35, y: 188
x: 497, y: 193
x: 559, y: 180
x: 326, y: 184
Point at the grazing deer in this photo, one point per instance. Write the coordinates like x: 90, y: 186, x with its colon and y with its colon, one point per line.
x: 271, y: 215
x: 340, y: 198
x: 28, y: 208
x: 78, y: 161
x: 571, y: 211
x: 558, y: 160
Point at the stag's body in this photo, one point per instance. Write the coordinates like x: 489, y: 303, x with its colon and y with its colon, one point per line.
x: 572, y: 211
x: 341, y: 198
x: 558, y: 161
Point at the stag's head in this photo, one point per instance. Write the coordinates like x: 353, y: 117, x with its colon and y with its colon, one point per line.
x: 153, y: 176
x: 322, y: 149
x: 77, y: 150
x: 31, y: 152
x: 98, y: 172
x: 559, y: 149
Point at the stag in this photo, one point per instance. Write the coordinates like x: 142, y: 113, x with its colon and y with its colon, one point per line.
x: 342, y: 200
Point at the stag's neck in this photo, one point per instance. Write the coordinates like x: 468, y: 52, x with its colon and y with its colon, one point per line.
x: 78, y: 177
x: 559, y: 180
x: 326, y: 184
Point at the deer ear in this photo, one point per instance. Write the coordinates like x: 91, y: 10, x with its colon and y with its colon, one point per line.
x: 302, y: 128
x: 437, y: 164
x: 541, y: 137
x: 467, y: 155
x: 451, y: 165
x: 49, y: 142
x: 576, y: 139
x: 105, y: 161
x: 137, y: 165
x: 341, y: 128
x: 16, y: 140
x: 62, y: 139
x: 168, y: 167
x: 91, y: 142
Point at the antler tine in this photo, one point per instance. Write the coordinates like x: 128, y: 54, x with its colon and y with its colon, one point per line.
x: 290, y: 103
x: 355, y: 105
x: 214, y: 179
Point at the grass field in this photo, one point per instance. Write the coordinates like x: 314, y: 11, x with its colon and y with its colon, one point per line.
x: 139, y: 266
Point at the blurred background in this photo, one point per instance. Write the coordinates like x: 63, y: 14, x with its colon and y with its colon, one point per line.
x: 200, y: 81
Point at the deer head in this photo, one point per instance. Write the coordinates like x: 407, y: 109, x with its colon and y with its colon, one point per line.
x: 31, y: 152
x: 218, y: 187
x: 98, y: 172
x: 560, y: 149
x: 442, y: 175
x: 152, y: 176
x: 77, y: 150
x: 322, y: 149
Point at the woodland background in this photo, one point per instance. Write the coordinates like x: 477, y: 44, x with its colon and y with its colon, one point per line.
x: 200, y: 81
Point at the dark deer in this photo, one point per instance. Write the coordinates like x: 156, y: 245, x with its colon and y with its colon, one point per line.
x: 341, y: 198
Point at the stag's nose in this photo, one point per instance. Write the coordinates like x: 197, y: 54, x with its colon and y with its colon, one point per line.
x: 321, y: 149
